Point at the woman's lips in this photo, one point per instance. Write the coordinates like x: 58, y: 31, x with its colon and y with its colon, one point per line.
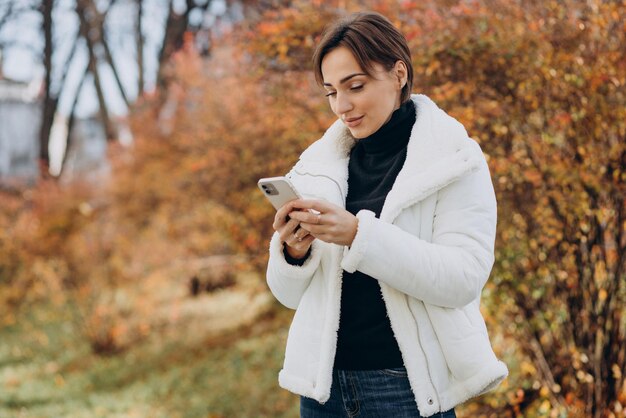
x: 352, y: 122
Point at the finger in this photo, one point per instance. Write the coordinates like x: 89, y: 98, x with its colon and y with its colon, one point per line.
x: 300, y: 233
x: 281, y: 214
x: 292, y: 242
x: 305, y: 217
x: 292, y: 226
x: 318, y: 205
x: 279, y: 220
x: 302, y: 246
x: 284, y: 210
x: 299, y: 243
x: 289, y: 238
x: 313, y: 229
x: 322, y: 236
x: 288, y: 230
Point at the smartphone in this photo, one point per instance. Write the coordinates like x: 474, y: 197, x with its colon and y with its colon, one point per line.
x: 278, y: 190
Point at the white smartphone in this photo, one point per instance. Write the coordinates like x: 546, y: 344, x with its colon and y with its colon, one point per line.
x: 278, y: 190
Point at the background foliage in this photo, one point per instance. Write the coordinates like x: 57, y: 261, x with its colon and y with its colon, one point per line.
x: 540, y: 85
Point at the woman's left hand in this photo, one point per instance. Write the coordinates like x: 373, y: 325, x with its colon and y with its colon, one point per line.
x: 333, y: 224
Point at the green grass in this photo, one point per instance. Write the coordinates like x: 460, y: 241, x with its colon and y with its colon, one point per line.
x: 48, y: 370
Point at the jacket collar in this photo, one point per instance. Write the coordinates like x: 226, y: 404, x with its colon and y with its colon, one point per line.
x: 439, y: 152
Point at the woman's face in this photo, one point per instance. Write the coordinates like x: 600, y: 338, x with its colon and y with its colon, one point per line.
x: 363, y: 103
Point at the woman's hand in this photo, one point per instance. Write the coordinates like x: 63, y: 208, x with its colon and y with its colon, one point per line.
x: 298, y: 240
x: 332, y: 223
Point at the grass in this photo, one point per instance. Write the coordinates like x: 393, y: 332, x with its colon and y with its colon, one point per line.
x: 48, y: 370
x: 219, y: 358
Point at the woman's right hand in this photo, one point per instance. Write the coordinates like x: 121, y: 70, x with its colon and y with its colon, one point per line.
x: 297, y: 239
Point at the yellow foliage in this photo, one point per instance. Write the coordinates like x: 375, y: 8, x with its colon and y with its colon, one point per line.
x: 528, y: 368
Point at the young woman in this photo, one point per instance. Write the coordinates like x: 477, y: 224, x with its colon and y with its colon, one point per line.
x: 385, y: 258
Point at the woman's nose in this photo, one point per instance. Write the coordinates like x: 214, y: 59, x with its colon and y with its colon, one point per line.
x: 344, y: 105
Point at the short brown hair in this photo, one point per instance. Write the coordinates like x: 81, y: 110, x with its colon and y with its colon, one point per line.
x: 371, y: 38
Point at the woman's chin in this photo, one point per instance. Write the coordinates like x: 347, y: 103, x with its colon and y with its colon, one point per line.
x: 359, y: 133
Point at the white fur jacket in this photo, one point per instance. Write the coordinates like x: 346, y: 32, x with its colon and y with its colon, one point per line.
x: 432, y: 250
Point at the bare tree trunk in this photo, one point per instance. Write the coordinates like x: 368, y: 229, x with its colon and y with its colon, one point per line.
x: 49, y: 102
x: 70, y: 121
x: 172, y: 41
x: 175, y: 28
x: 109, y: 58
x: 107, y: 53
x: 86, y: 11
x: 140, y: 41
x: 90, y: 29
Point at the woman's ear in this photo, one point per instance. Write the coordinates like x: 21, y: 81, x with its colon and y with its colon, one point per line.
x: 401, y: 73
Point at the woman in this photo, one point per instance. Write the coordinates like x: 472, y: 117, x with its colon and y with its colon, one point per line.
x: 385, y: 258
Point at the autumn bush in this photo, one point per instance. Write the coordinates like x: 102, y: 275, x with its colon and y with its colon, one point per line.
x: 15, y: 229
x: 234, y: 125
x: 542, y: 87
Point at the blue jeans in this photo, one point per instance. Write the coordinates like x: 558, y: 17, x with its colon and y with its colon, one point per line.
x: 367, y: 394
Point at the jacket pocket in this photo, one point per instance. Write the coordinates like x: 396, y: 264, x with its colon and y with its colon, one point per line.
x: 473, y: 315
x: 464, y: 345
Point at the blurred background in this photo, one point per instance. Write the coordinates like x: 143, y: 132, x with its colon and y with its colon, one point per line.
x: 133, y: 238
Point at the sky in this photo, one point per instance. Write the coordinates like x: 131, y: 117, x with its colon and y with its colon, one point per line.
x: 22, y: 59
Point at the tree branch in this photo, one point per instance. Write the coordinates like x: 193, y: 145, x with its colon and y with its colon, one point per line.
x: 109, y: 59
x: 6, y: 16
x: 71, y: 117
x: 85, y: 8
x: 533, y: 346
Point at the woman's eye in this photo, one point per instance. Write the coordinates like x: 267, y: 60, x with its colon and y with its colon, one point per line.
x: 353, y: 88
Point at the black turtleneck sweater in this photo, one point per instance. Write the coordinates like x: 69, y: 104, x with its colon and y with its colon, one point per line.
x: 365, y: 339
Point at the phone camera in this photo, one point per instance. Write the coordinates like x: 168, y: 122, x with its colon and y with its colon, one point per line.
x: 269, y: 189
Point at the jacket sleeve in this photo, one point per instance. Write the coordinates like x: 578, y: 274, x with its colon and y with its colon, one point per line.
x: 286, y: 281
x: 451, y: 270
